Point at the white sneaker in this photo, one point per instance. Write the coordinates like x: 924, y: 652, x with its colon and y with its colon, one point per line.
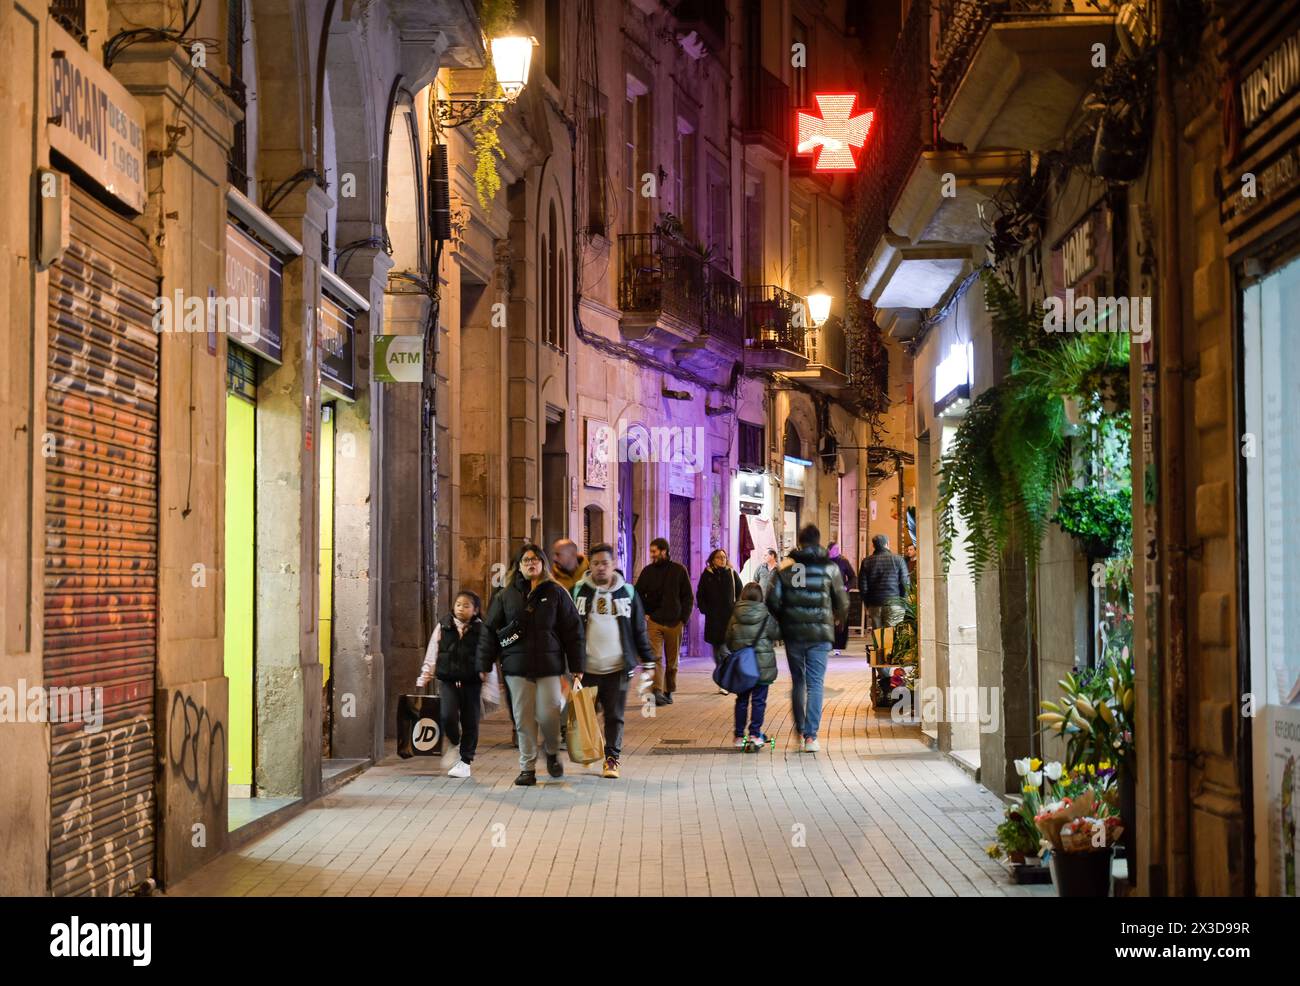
x: 802, y: 743
x: 738, y: 742
x: 723, y: 691
x: 460, y: 770
x: 811, y: 745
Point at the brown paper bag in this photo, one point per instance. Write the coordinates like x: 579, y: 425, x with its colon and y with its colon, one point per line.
x: 583, y: 730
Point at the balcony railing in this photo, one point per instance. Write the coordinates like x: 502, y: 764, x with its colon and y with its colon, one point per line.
x: 765, y: 115
x: 826, y: 346
x: 657, y: 274
x: 963, y: 24
x: 723, y: 309
x: 905, y: 126
x: 771, y: 321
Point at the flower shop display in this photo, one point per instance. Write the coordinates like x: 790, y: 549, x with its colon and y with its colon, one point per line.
x: 1095, y: 716
x: 1069, y: 814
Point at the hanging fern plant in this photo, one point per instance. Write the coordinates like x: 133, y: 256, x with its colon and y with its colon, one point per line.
x: 1010, y: 457
x: 495, y: 16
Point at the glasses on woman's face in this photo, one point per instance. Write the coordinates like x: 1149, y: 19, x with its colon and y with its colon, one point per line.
x: 530, y: 561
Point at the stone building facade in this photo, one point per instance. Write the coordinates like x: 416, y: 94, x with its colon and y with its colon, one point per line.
x: 199, y: 545
x: 1194, y: 211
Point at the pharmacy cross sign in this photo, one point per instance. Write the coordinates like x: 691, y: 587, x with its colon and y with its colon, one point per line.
x: 833, y: 135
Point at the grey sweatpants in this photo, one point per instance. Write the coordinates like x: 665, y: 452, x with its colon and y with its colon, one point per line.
x: 537, y: 704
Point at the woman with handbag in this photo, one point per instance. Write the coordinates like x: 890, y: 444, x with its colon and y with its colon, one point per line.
x: 751, y: 625
x: 716, y: 595
x: 534, y: 626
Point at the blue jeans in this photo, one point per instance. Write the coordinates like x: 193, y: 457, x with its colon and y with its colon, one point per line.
x: 756, y: 698
x: 807, y: 676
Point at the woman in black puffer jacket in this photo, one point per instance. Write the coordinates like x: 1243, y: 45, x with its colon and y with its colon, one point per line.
x: 534, y: 626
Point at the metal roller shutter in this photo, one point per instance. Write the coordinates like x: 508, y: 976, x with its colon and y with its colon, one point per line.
x: 101, y: 551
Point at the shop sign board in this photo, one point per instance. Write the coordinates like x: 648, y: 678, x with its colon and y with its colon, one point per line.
x: 93, y: 121
x: 399, y: 359
x: 681, y: 478
x: 253, y: 272
x: 1282, y: 745
x: 1259, y: 185
x: 337, y: 325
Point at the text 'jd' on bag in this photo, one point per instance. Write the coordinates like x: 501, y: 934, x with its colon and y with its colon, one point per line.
x: 586, y: 738
x: 418, y: 734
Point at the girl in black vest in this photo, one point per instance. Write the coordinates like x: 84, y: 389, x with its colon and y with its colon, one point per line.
x: 452, y: 657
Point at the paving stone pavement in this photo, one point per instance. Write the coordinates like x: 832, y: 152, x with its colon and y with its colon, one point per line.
x: 874, y: 813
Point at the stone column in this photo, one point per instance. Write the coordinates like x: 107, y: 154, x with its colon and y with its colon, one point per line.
x: 358, y: 666
x: 288, y: 686
x: 187, y: 216
x: 478, y: 392
x: 402, y: 632
x: 521, y: 367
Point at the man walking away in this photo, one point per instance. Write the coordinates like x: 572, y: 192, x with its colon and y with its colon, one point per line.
x: 883, y: 582
x: 807, y: 597
x: 567, y: 565
x: 617, y: 643
x: 665, y: 587
x: 846, y: 573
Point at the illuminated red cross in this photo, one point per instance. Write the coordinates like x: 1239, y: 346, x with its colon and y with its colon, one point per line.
x: 836, y: 132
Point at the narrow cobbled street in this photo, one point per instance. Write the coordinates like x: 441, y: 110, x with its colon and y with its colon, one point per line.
x: 876, y: 812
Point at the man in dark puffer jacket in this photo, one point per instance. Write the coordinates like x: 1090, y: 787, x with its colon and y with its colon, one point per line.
x: 807, y: 596
x: 883, y: 582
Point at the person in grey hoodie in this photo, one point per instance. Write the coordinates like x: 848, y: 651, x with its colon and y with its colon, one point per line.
x: 616, y: 643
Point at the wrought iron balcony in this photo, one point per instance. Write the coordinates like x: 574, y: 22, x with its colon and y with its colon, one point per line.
x: 914, y: 237
x: 1009, y: 73
x: 661, y: 289
x: 904, y: 127
x: 827, y: 367
x: 765, y: 111
x: 722, y: 339
x: 724, y: 317
x: 776, y: 323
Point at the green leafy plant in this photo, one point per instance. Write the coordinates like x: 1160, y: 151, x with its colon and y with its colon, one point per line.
x: 1011, y: 454
x: 1016, y: 834
x: 1102, y: 518
x: 906, y: 636
x: 495, y: 16
x: 1095, y: 715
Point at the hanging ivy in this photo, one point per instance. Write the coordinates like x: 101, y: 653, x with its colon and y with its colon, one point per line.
x: 1011, y: 455
x: 496, y: 17
x: 868, y: 363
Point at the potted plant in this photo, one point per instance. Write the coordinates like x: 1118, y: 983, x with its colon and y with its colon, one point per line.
x: 1017, y: 836
x: 1080, y: 834
x: 1095, y: 717
x: 1099, y: 519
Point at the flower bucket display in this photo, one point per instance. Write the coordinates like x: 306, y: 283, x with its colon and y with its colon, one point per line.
x: 1082, y: 832
x: 1082, y: 874
x: 1071, y: 817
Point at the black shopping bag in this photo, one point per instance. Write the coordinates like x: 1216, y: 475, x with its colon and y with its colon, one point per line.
x: 418, y: 731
